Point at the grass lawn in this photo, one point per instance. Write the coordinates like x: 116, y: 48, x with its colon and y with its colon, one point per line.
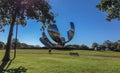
x: 39, y: 61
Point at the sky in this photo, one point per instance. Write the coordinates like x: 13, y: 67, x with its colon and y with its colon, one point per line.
x: 90, y: 24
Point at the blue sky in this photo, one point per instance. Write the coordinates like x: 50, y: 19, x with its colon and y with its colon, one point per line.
x: 90, y: 24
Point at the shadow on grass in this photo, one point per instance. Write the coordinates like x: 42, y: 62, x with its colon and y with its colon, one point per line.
x: 20, y: 69
x: 4, y: 68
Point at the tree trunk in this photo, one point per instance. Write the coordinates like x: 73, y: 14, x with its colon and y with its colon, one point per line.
x: 15, y: 42
x: 6, y: 57
x: 8, y: 46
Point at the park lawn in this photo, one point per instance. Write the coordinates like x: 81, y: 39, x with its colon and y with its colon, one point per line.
x: 39, y: 61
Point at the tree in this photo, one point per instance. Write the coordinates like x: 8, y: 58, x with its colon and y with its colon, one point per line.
x: 111, y: 7
x: 95, y: 45
x: 18, y: 11
x: 116, y: 46
x: 84, y: 47
x: 2, y: 45
x: 108, y: 44
x: 102, y: 47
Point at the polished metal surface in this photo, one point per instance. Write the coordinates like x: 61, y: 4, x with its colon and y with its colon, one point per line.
x: 71, y: 32
x: 55, y: 35
x: 45, y: 40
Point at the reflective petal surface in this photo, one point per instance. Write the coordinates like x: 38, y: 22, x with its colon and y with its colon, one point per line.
x: 71, y: 32
x: 54, y: 33
x: 45, y: 40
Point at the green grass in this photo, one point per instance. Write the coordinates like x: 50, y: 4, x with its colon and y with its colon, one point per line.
x: 39, y: 61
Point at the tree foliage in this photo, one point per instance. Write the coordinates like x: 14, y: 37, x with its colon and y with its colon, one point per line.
x: 94, y: 45
x: 22, y: 9
x: 1, y: 28
x: 2, y: 45
x: 17, y: 12
x: 111, y: 7
x: 108, y: 43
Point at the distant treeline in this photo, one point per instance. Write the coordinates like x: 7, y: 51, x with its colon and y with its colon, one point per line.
x: 19, y: 45
x: 107, y: 45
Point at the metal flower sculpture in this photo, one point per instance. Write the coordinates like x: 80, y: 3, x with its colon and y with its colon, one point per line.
x: 55, y: 35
